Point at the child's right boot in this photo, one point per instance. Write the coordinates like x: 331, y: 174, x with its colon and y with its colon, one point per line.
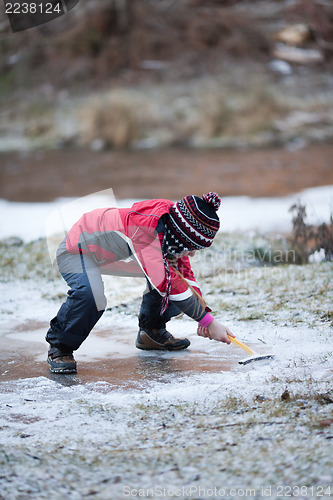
x: 61, y: 361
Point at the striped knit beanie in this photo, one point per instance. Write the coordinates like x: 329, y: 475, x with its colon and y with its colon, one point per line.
x: 192, y: 224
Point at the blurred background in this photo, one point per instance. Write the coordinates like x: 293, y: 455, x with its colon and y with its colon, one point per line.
x: 162, y: 98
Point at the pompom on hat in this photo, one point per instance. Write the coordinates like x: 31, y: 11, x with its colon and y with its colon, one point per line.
x: 192, y: 223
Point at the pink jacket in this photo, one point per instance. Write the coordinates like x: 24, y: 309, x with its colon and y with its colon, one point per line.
x: 95, y: 231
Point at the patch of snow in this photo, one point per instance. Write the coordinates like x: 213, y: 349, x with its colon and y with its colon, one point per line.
x: 317, y: 256
x: 27, y: 220
x: 280, y: 66
x: 272, y: 214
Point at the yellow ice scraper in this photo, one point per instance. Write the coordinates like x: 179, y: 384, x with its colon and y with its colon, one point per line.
x: 253, y: 355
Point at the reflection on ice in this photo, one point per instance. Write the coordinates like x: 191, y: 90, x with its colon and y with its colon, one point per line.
x: 110, y: 356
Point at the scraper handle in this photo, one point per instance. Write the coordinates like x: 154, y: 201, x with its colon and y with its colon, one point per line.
x: 240, y: 344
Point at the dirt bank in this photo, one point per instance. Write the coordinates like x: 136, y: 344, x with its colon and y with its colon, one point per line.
x: 46, y: 175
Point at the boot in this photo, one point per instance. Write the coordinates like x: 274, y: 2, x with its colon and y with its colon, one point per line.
x: 61, y: 361
x: 159, y: 340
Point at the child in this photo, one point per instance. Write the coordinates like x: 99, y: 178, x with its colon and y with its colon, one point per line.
x: 153, y: 238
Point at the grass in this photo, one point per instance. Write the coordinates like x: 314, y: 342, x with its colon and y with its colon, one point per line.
x: 226, y: 440
x: 231, y: 444
x: 246, y: 289
x: 111, y: 118
x: 25, y: 261
x: 7, y: 82
x: 273, y: 292
x: 202, y: 112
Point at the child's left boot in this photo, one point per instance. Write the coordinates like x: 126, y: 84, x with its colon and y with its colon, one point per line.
x: 159, y: 340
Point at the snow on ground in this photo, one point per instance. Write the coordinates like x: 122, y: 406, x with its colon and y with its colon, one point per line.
x: 191, y: 424
x: 27, y: 220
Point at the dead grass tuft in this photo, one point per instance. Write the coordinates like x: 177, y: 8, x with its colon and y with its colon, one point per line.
x: 308, y: 239
x: 112, y: 119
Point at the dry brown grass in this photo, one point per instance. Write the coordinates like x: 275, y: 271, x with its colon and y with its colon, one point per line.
x: 112, y: 119
x: 307, y: 239
x: 175, y: 114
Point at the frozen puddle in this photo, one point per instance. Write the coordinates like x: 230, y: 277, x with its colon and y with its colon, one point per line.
x: 110, y: 356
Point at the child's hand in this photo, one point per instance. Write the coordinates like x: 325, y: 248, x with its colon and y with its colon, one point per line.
x: 216, y: 331
x: 203, y: 331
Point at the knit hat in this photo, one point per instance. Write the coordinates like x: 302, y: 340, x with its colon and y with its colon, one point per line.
x: 192, y: 224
